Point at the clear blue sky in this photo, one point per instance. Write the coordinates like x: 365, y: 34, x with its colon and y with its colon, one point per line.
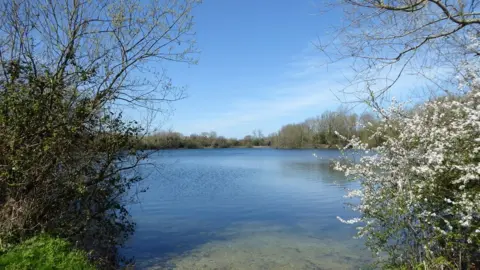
x: 257, y: 68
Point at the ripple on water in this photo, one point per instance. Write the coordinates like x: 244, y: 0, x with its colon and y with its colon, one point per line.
x: 244, y: 209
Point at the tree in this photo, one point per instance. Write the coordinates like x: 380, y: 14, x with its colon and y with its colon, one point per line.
x: 258, y: 138
x: 247, y: 141
x: 67, y: 156
x: 367, y: 125
x: 419, y: 196
x: 318, y: 131
x: 221, y: 142
x: 388, y: 39
x: 293, y: 136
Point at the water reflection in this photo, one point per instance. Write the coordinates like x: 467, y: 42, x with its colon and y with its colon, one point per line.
x: 321, y: 170
x: 244, y: 209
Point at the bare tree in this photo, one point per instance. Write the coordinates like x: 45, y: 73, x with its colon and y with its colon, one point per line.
x: 386, y: 39
x: 67, y: 157
x: 118, y: 45
x: 257, y: 134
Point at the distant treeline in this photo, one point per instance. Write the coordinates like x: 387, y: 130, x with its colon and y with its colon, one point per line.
x: 316, y: 132
x: 320, y: 131
x: 176, y: 140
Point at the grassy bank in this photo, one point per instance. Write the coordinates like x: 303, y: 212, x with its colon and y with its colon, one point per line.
x: 44, y: 252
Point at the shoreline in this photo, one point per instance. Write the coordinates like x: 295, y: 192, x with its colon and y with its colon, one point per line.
x: 245, y: 147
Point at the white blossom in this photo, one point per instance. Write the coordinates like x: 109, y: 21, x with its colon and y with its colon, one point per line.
x: 349, y: 221
x: 430, y: 158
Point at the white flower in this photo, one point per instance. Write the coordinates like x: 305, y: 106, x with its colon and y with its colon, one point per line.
x: 427, y: 160
x: 349, y: 221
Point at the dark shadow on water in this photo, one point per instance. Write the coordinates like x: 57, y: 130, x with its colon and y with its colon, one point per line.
x: 249, y: 245
x: 155, y: 248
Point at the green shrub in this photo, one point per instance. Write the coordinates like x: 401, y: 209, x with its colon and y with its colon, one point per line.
x: 419, y: 200
x: 44, y: 252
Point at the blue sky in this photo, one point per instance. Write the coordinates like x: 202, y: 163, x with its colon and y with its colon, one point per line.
x: 257, y: 68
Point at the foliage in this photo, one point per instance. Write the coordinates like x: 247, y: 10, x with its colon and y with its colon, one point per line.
x: 418, y: 200
x: 44, y: 252
x: 67, y: 156
x: 61, y: 170
x: 420, y: 191
x: 319, y: 132
x: 176, y: 140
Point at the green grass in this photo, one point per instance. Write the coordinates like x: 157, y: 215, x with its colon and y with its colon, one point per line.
x: 44, y: 252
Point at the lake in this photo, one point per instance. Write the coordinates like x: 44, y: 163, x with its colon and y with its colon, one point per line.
x: 244, y: 209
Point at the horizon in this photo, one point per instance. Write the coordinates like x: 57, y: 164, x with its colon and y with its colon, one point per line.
x: 258, y: 73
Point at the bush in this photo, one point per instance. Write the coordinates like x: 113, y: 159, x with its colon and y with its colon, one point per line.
x: 44, y: 252
x: 420, y: 190
x: 61, y: 166
x: 67, y: 156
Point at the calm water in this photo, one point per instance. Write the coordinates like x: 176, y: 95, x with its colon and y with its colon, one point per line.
x: 244, y: 209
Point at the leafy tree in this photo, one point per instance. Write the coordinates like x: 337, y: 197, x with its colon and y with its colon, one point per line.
x: 319, y: 131
x: 67, y: 156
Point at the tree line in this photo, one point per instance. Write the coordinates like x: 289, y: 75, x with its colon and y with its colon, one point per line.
x: 316, y: 132
x: 322, y: 131
x: 176, y: 140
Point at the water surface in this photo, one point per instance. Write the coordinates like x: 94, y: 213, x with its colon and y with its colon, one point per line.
x: 244, y: 209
